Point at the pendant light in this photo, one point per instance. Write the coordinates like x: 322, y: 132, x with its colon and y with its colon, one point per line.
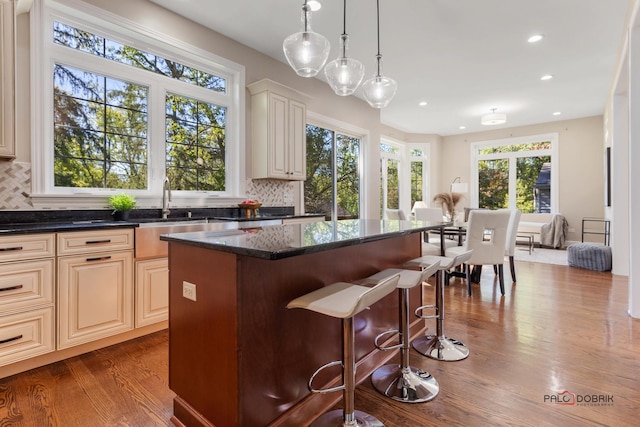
x: 379, y: 90
x: 493, y: 118
x: 306, y: 51
x: 344, y: 74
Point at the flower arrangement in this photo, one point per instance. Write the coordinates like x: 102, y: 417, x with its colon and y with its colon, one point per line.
x: 448, y: 202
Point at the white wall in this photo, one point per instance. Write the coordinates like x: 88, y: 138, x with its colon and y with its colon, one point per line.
x: 580, y: 157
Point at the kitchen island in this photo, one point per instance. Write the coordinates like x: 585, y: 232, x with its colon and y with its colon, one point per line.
x: 237, y: 355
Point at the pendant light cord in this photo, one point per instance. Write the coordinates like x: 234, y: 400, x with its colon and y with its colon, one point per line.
x: 305, y: 8
x: 378, y: 56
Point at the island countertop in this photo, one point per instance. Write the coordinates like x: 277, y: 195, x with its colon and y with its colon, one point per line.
x: 283, y: 241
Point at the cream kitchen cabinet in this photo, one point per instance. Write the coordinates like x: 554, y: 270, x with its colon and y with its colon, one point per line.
x: 152, y: 291
x: 95, y: 285
x: 26, y: 297
x: 278, y: 138
x: 7, y: 79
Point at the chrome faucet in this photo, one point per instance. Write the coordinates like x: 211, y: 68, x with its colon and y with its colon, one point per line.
x: 166, y: 198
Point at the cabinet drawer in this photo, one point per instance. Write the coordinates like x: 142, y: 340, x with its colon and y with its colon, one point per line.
x: 26, y: 246
x: 26, y: 284
x: 26, y: 335
x: 84, y: 242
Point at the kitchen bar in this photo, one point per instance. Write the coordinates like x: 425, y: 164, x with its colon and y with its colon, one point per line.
x: 237, y: 356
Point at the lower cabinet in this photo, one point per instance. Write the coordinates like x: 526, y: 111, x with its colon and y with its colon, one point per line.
x: 27, y: 334
x: 152, y: 291
x: 95, y: 296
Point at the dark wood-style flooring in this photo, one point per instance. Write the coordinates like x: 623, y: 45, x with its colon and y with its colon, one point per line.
x: 559, y: 329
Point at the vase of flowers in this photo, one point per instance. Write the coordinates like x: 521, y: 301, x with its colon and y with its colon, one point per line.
x: 448, y: 202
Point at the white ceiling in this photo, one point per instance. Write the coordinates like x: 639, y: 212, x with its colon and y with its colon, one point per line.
x: 464, y: 57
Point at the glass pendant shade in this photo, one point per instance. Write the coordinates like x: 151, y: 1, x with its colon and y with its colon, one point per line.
x: 379, y: 90
x: 344, y: 74
x: 306, y: 51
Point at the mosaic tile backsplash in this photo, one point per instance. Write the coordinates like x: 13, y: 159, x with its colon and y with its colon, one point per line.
x: 15, y: 185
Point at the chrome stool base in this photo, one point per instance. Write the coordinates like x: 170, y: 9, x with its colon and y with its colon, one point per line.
x: 336, y: 419
x: 441, y: 348
x: 408, y: 385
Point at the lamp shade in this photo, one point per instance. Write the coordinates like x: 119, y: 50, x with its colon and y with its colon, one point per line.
x: 306, y: 51
x: 493, y: 119
x: 459, y: 187
x: 344, y: 74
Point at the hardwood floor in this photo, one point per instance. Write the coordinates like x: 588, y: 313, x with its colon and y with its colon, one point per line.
x: 559, y: 329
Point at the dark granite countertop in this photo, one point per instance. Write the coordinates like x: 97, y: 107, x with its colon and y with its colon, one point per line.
x: 282, y: 241
x: 51, y: 221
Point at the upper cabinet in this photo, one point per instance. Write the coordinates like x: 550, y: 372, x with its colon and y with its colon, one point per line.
x: 7, y: 79
x: 278, y: 123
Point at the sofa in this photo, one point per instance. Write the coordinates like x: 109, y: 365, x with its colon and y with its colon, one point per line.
x: 547, y: 229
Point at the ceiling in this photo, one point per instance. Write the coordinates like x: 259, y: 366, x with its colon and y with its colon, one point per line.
x: 463, y: 57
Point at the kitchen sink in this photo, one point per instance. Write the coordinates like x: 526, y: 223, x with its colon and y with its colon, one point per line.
x: 149, y: 245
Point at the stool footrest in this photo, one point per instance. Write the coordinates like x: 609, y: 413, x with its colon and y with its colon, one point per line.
x: 321, y: 368
x: 391, y: 347
x: 419, y: 310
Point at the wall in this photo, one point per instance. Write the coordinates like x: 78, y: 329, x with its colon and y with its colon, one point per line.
x: 258, y: 66
x: 581, y: 167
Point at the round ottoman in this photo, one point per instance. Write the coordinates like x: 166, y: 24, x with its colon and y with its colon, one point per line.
x: 589, y: 256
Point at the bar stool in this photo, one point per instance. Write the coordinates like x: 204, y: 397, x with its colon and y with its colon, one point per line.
x: 345, y: 300
x: 403, y: 382
x: 438, y: 346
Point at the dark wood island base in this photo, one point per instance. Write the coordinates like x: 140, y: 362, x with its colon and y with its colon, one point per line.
x: 239, y: 357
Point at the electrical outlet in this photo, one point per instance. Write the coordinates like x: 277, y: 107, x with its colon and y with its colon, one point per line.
x: 189, y: 290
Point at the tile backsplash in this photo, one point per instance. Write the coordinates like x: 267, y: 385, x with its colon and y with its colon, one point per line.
x: 271, y: 192
x: 15, y: 185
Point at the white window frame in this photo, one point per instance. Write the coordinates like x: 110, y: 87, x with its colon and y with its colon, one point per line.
x: 45, y: 54
x: 404, y: 159
x: 343, y: 128
x: 531, y: 139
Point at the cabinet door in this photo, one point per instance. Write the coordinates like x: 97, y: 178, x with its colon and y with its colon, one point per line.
x: 95, y: 296
x: 7, y: 79
x: 278, y: 136
x: 152, y: 291
x: 297, y: 146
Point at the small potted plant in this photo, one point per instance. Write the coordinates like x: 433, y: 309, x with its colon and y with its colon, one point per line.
x: 122, y: 204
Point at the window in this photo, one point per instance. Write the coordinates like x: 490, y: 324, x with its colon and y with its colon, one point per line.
x: 390, y: 156
x: 402, y: 186
x: 120, y: 109
x: 516, y: 173
x: 332, y: 186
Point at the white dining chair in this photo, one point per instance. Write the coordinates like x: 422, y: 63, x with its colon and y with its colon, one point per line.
x: 510, y: 246
x: 486, y: 236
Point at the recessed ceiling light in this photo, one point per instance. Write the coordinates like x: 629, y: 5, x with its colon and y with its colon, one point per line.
x: 546, y: 77
x: 535, y: 38
x: 462, y: 127
x: 422, y: 103
x: 557, y: 113
x: 314, y: 5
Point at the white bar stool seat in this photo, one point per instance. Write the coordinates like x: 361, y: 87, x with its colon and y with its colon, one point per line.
x: 403, y: 382
x: 439, y: 346
x: 345, y: 300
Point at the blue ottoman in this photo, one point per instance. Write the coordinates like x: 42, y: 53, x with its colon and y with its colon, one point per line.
x: 589, y: 256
